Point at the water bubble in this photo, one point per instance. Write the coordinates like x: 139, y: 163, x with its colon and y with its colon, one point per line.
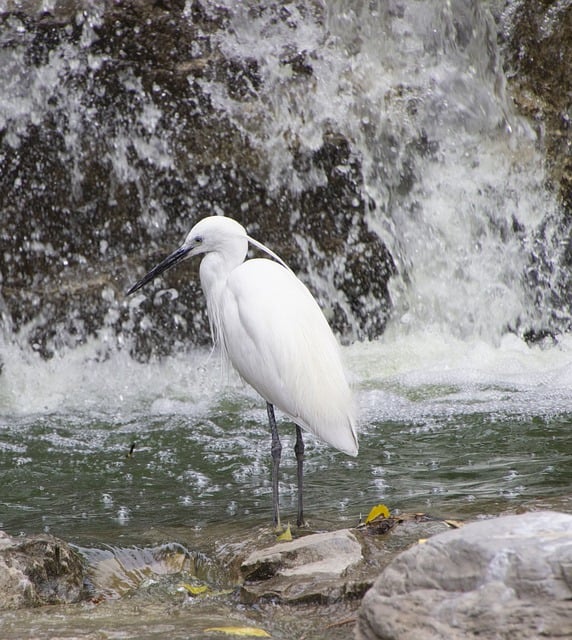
x: 122, y: 515
x: 107, y: 499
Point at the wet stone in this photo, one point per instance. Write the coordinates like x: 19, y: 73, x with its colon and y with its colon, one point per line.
x: 313, y: 568
x: 503, y: 578
x: 39, y: 570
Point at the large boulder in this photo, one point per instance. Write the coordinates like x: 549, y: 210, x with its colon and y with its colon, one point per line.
x: 39, y: 570
x: 498, y: 579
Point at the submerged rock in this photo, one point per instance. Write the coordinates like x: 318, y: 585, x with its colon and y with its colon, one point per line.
x: 509, y: 577
x: 39, y: 570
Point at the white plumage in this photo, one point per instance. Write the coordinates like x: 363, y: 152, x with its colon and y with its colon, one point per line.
x: 273, y: 332
x: 283, y: 347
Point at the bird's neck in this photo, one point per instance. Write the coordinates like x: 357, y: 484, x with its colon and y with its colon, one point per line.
x: 214, y: 271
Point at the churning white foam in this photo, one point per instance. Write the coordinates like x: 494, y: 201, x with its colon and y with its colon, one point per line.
x: 399, y: 376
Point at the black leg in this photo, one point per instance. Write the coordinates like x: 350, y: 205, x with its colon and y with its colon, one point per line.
x: 299, y: 451
x: 276, y: 451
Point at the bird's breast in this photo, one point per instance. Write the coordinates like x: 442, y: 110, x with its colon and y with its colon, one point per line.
x: 278, y: 340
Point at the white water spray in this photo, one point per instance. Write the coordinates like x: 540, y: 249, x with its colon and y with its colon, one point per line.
x: 452, y: 181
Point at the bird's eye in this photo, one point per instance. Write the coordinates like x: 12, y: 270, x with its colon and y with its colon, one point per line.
x: 198, y: 239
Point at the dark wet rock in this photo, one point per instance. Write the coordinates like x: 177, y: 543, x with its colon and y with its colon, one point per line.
x: 536, y: 41
x: 504, y: 578
x: 39, y: 570
x: 121, y: 148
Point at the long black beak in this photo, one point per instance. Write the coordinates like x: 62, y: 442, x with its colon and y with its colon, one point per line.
x: 170, y: 261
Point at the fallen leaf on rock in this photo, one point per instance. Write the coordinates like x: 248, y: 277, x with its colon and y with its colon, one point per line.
x: 194, y: 589
x: 380, y: 510
x: 253, y: 632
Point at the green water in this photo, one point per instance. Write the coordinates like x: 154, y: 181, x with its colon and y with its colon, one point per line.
x: 452, y: 440
x: 73, y: 476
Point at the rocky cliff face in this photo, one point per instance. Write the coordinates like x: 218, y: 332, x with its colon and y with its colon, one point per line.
x: 120, y: 150
x: 118, y: 145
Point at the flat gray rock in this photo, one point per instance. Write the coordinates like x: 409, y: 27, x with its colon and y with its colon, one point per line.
x: 310, y: 568
x: 504, y: 578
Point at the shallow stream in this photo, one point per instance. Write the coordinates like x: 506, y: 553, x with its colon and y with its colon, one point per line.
x: 452, y: 428
x: 459, y: 416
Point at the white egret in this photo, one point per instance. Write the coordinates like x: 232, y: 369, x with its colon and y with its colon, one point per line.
x: 275, y: 335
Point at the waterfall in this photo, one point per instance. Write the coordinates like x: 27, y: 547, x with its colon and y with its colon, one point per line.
x: 453, y: 180
x: 393, y: 112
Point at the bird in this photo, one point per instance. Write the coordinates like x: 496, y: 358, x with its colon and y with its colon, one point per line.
x: 269, y: 326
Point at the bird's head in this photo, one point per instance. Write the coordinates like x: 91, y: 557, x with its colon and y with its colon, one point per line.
x: 213, y: 234
x: 216, y: 233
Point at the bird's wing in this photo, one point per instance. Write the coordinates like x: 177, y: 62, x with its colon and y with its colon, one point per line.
x: 280, y: 343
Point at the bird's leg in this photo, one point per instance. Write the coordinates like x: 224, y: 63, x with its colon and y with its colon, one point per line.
x: 276, y: 451
x: 299, y: 451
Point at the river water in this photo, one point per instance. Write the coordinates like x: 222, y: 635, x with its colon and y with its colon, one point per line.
x: 453, y: 428
x: 447, y: 426
x: 460, y: 416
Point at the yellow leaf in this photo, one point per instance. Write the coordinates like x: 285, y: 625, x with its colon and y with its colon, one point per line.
x: 376, y: 512
x: 195, y: 590
x: 286, y: 536
x: 241, y: 631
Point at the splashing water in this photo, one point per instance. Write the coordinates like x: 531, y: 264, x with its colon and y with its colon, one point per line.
x: 458, y: 412
x: 452, y: 180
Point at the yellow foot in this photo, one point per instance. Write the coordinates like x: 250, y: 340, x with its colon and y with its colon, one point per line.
x: 286, y: 536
